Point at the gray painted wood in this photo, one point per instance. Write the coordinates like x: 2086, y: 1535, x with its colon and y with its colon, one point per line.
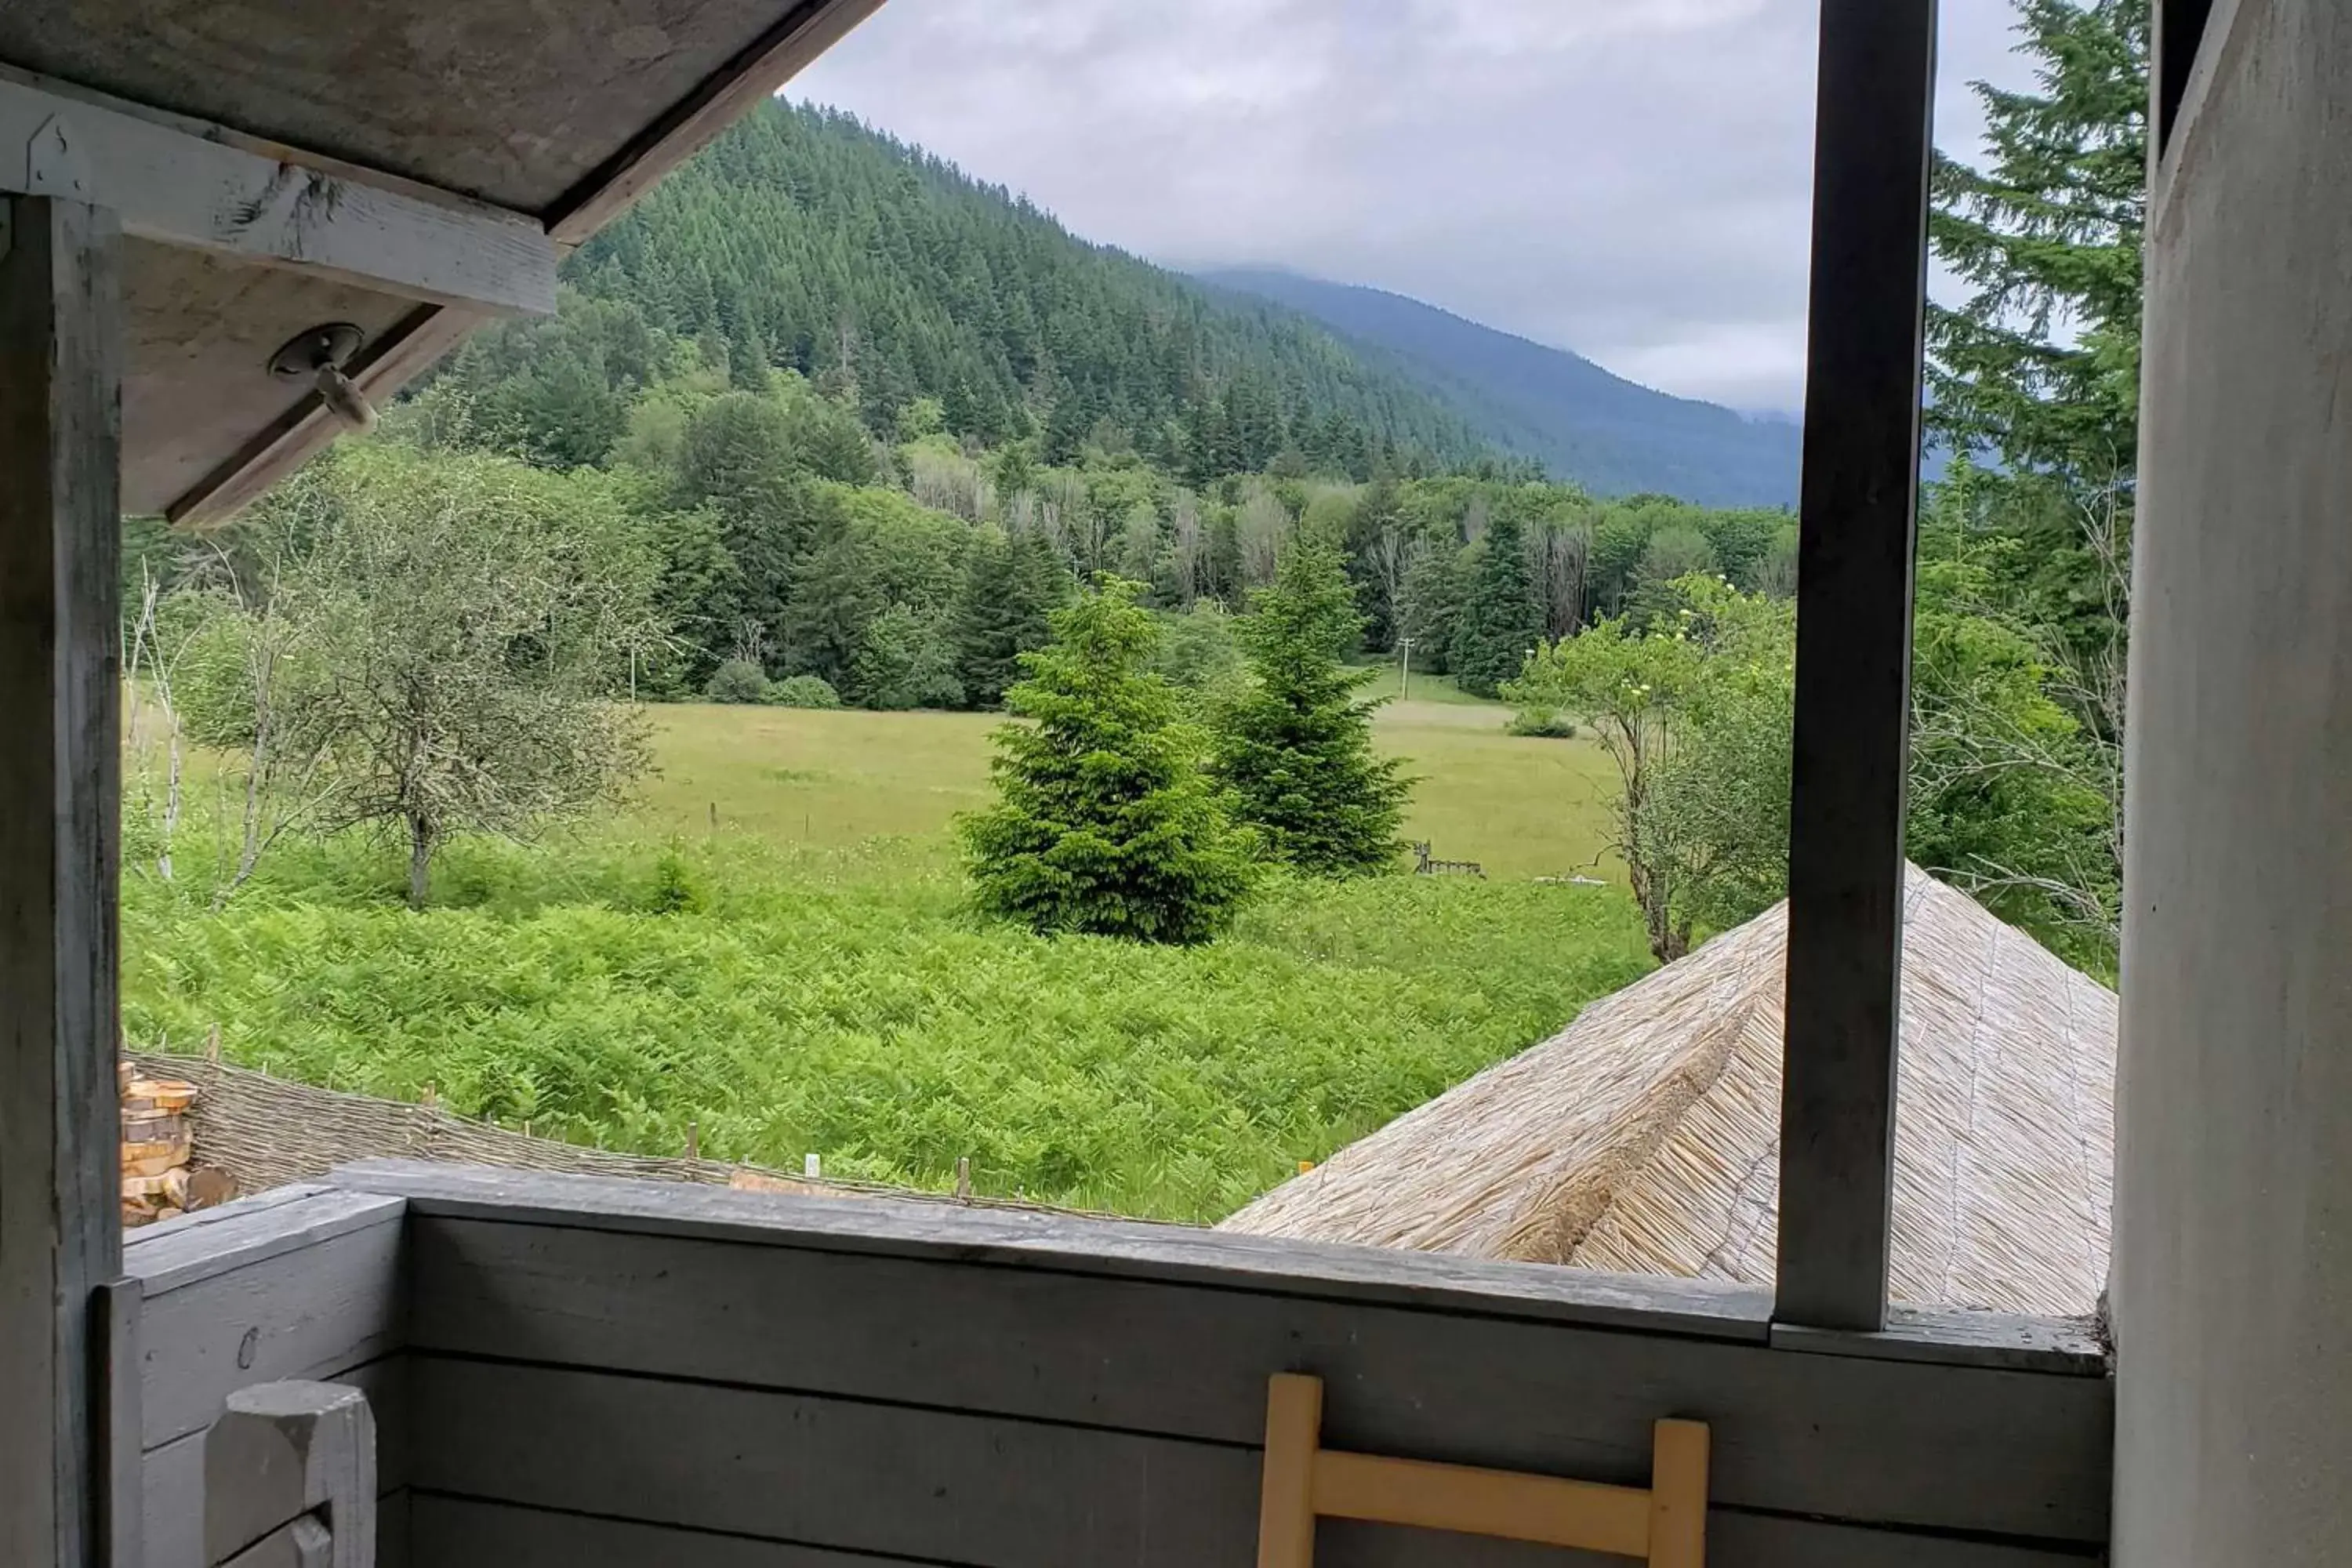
x: 284, y: 1453
x: 304, y: 1543
x: 118, y: 1312
x: 513, y: 104
x: 2016, y: 1452
x: 186, y: 189
x: 805, y: 31
x: 60, y: 1233
x: 1951, y: 1336
x: 1126, y: 1248
x: 480, y: 1534
x: 827, y: 1472
x: 307, y: 1313
x: 214, y: 1242
x: 172, y: 1501
x: 1856, y: 525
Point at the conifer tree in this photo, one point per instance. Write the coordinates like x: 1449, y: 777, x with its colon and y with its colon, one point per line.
x: 1295, y: 747
x: 1499, y: 621
x: 1010, y: 587
x: 1105, y: 822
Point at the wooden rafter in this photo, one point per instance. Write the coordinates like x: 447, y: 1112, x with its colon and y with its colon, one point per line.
x: 804, y: 32
x: 195, y: 189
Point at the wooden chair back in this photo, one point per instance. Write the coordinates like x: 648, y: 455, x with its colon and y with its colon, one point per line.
x: 1663, y: 1524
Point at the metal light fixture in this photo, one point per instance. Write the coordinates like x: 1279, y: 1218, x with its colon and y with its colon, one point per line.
x: 319, y: 356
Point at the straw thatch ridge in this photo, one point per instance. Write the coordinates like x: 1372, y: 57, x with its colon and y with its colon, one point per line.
x: 1644, y: 1137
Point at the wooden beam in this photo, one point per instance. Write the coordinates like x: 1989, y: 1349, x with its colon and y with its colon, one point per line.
x: 197, y: 190
x: 1856, y: 534
x: 60, y: 1230
x: 807, y: 30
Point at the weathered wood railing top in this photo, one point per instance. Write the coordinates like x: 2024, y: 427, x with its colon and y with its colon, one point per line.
x: 576, y: 1370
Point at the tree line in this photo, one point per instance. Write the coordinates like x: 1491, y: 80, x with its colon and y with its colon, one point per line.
x: 702, y: 494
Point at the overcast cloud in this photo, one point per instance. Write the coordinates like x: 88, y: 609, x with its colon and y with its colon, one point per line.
x: 1627, y: 178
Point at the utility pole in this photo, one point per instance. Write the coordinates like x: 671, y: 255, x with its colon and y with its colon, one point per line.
x: 1405, y: 669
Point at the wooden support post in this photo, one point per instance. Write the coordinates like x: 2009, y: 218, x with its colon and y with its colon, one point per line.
x: 289, y: 1478
x: 1679, y: 1451
x: 1856, y: 535
x: 60, y: 1231
x: 1293, y: 1431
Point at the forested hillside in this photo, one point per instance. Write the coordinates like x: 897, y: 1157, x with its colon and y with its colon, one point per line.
x: 1558, y: 408
x: 803, y: 240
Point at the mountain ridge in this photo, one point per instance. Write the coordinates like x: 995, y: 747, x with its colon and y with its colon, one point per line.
x: 1581, y: 420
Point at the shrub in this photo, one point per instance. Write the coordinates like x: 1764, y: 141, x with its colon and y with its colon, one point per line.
x: 736, y: 681
x: 1544, y: 723
x: 804, y: 691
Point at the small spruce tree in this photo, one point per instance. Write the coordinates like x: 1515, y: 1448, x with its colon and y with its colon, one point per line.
x: 1500, y: 622
x: 1296, y: 746
x: 1104, y: 822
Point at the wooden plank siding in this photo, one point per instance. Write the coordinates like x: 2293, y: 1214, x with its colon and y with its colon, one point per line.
x: 1877, y: 1440
x: 612, y: 1373
x: 615, y: 1374
x: 469, y: 1532
x: 304, y: 1282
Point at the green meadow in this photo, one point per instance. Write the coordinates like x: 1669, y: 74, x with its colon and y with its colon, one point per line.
x: 772, y: 946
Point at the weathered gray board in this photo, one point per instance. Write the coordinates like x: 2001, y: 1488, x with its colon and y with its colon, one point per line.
x: 466, y: 1533
x: 656, y: 1373
x: 60, y: 1242
x: 305, y: 1282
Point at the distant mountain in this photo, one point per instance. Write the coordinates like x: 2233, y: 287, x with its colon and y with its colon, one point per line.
x: 1581, y: 422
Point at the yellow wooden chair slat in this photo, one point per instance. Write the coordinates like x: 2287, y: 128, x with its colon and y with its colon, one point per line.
x: 1663, y: 1524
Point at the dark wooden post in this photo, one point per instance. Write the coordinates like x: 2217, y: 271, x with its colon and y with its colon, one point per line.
x: 60, y: 1228
x: 1856, y: 526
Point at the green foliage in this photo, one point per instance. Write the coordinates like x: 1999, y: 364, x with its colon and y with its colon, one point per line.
x: 904, y: 660
x: 2040, y: 366
x: 803, y: 691
x: 1542, y: 724
x: 1199, y: 653
x: 1294, y: 746
x: 1104, y: 823
x: 1500, y: 622
x: 1010, y: 587
x: 839, y: 1001
x: 1634, y: 688
x: 805, y: 240
x: 736, y: 681
x: 450, y: 629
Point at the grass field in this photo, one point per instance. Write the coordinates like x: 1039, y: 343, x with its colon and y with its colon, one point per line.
x: 806, y: 978
x: 792, y: 776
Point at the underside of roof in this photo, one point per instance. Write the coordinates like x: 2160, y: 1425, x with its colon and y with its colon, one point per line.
x: 411, y: 170
x: 1644, y: 1137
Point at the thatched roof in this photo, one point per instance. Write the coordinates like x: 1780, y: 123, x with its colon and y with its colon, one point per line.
x: 1644, y: 1137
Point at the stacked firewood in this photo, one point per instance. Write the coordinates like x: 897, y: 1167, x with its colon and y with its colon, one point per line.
x: 157, y: 1145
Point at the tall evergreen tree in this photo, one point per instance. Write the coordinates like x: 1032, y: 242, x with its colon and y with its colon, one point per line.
x: 1499, y: 620
x: 1010, y: 587
x: 1105, y: 822
x: 2041, y: 365
x: 1296, y: 745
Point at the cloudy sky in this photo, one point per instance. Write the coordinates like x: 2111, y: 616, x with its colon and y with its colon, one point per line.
x: 1627, y: 178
